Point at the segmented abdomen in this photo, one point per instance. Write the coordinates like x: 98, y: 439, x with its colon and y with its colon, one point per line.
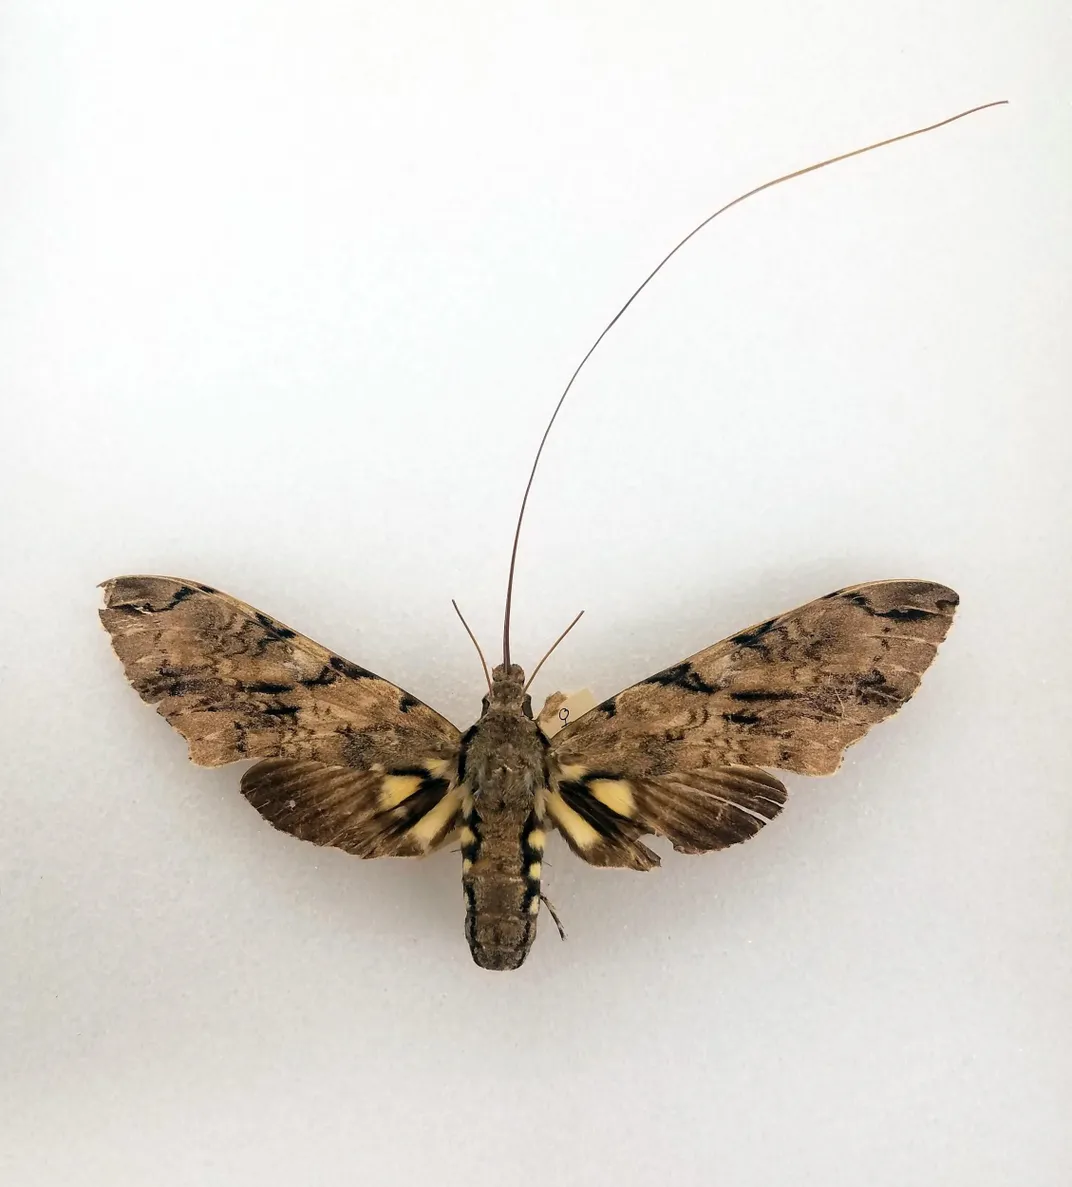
x: 501, y: 865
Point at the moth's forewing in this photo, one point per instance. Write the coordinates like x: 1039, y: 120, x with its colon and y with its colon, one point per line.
x: 678, y: 754
x: 354, y: 761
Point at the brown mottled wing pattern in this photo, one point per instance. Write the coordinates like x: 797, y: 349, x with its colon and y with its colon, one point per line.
x: 792, y: 693
x: 367, y: 813
x: 354, y: 761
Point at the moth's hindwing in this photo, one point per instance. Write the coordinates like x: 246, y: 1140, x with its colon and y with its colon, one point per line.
x: 678, y: 754
x: 602, y: 814
x: 400, y: 813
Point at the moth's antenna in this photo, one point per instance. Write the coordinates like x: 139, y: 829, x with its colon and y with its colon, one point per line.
x: 550, y: 650
x: 651, y: 276
x: 483, y: 661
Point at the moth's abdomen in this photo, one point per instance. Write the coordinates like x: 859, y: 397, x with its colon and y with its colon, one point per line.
x: 501, y: 878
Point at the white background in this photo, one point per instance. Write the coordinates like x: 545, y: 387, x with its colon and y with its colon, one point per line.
x: 288, y: 292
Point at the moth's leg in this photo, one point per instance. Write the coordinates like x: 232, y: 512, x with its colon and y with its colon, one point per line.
x: 451, y: 842
x: 554, y: 915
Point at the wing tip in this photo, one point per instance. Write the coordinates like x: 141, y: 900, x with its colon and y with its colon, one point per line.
x: 906, y: 599
x: 906, y: 587
x: 942, y: 596
x: 129, y: 579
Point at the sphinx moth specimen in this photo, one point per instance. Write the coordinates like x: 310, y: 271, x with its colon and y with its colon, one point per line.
x: 345, y: 758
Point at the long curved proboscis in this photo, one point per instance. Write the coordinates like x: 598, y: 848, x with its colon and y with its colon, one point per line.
x: 651, y: 276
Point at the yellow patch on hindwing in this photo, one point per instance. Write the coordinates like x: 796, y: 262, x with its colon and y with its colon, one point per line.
x: 615, y: 794
x: 396, y: 788
x: 433, y: 825
x: 575, y: 827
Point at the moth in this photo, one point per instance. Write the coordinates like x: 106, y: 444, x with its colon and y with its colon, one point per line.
x: 345, y: 758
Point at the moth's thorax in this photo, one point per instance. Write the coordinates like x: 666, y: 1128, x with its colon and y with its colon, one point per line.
x: 505, y: 756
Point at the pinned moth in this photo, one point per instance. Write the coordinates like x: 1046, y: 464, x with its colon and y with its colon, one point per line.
x: 345, y: 758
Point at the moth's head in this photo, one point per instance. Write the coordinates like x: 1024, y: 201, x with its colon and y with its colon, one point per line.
x: 507, y: 693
